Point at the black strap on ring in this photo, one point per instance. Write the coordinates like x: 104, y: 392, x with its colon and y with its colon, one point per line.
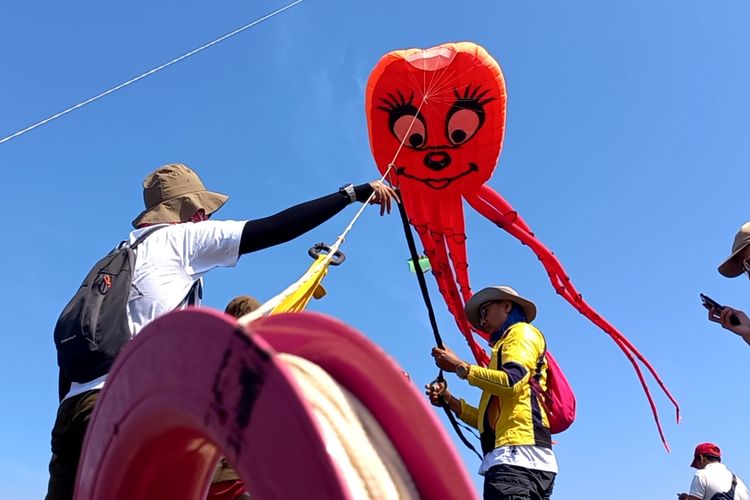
x: 321, y: 248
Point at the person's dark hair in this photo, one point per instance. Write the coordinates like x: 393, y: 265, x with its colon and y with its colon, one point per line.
x: 712, y: 458
x: 239, y: 306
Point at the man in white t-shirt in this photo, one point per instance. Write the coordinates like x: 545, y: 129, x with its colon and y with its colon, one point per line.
x: 713, y: 481
x: 168, y: 273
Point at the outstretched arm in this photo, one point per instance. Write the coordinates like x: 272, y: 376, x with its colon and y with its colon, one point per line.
x: 299, y: 219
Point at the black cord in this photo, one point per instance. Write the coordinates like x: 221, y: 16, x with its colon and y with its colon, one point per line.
x: 420, y: 275
x: 433, y: 321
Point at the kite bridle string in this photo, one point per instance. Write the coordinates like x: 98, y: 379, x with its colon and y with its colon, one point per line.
x: 268, y: 307
x: 391, y: 165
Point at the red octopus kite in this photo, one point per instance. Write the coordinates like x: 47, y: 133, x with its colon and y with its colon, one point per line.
x: 436, y: 120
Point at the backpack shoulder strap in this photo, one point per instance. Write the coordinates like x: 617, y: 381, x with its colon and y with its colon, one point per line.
x: 540, y: 360
x: 193, y: 296
x: 196, y: 291
x: 145, y: 235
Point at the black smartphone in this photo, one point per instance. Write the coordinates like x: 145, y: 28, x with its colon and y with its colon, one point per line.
x: 710, y: 303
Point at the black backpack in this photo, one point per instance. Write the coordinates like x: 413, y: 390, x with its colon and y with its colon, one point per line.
x: 729, y: 495
x: 93, y: 327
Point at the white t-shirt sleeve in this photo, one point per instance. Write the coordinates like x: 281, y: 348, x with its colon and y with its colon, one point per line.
x: 698, y: 487
x: 209, y: 244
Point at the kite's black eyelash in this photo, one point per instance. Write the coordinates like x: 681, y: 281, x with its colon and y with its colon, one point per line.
x: 394, y: 104
x: 472, y: 98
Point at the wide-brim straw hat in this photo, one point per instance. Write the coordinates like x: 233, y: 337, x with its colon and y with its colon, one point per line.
x: 174, y: 193
x: 732, y: 267
x: 494, y: 293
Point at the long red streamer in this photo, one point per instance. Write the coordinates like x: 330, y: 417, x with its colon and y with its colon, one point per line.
x: 495, y: 208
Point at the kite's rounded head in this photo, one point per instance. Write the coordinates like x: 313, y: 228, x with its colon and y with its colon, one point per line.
x: 440, y: 112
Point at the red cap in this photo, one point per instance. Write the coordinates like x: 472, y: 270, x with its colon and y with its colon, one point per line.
x: 705, y: 449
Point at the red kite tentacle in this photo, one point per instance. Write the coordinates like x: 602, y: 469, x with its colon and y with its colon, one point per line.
x: 458, y: 310
x: 576, y: 299
x: 554, y: 267
x: 434, y: 246
x: 504, y: 216
x: 628, y: 351
x: 445, y: 271
x: 452, y: 220
x: 494, y: 199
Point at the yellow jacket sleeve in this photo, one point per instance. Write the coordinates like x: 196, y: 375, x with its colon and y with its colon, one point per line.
x: 469, y: 414
x: 518, y: 352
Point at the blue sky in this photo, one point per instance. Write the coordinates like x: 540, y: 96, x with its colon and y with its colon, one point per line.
x: 625, y: 152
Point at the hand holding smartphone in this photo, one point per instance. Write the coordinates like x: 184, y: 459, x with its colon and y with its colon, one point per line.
x: 710, y: 304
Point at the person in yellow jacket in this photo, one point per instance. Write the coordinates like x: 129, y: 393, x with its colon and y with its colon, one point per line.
x: 518, y: 463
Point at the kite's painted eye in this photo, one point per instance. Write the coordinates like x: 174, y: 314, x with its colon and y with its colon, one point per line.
x: 411, y: 130
x: 462, y: 125
x: 405, y: 120
x: 466, y: 116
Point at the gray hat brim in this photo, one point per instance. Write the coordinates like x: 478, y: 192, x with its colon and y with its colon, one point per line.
x: 494, y: 293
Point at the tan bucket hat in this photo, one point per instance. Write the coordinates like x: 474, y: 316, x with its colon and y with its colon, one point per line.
x: 173, y: 193
x: 493, y: 293
x: 732, y: 267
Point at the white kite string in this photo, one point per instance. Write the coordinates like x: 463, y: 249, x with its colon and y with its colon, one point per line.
x: 268, y: 306
x: 150, y: 72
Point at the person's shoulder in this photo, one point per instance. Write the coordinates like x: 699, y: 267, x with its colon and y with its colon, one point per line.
x: 206, y: 227
x: 164, y: 234
x: 526, y: 331
x: 704, y: 474
x: 713, y: 468
x: 147, y: 231
x: 213, y: 224
x: 208, y: 236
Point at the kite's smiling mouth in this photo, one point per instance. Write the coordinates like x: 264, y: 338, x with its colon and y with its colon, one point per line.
x: 437, y: 183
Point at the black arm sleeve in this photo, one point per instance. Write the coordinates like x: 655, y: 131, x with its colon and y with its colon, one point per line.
x: 295, y: 221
